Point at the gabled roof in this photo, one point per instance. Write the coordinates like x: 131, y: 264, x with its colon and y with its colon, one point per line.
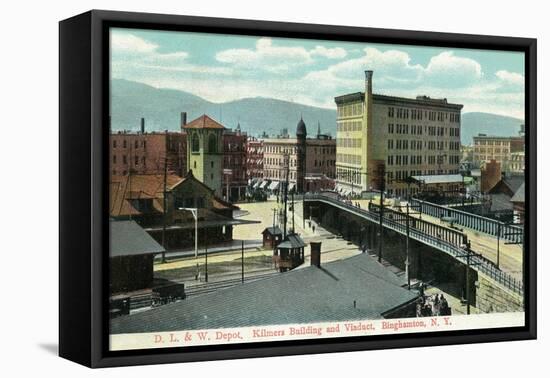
x: 292, y: 241
x: 204, y: 122
x: 273, y: 230
x: 519, y: 195
x: 135, y: 187
x: 129, y: 239
x: 305, y: 295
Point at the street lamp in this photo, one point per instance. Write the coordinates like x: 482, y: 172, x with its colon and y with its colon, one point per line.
x: 195, y: 213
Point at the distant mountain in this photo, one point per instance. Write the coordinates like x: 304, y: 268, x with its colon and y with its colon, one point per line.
x: 161, y: 109
x: 487, y: 123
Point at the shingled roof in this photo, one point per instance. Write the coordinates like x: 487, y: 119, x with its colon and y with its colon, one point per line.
x: 129, y: 239
x: 204, y: 122
x: 305, y: 295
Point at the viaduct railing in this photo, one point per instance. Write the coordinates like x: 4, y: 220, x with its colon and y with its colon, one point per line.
x: 436, y: 236
x: 508, y: 232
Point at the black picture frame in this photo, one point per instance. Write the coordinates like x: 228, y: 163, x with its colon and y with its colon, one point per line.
x: 83, y: 228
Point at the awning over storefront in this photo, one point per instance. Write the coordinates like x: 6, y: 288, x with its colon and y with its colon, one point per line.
x: 263, y: 184
x: 291, y: 186
x: 274, y: 185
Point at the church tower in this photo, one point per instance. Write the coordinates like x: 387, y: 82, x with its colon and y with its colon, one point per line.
x: 205, y: 151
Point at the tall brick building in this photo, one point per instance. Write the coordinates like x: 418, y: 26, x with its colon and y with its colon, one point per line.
x: 255, y: 158
x: 145, y: 153
x: 235, y: 162
x: 312, y: 161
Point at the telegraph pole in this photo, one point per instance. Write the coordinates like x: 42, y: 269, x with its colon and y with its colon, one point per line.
x: 381, y: 226
x: 242, y: 261
x: 163, y: 259
x: 206, y: 255
x: 498, y: 243
x: 468, y: 252
x: 407, y: 261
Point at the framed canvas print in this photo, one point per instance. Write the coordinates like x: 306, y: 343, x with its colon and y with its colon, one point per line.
x: 234, y: 188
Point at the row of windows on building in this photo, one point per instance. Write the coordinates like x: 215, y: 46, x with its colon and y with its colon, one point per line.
x: 419, y: 159
x: 279, y: 174
x: 125, y: 159
x: 348, y: 175
x: 493, y: 150
x: 418, y: 114
x: 478, y: 142
x: 419, y: 130
x: 348, y: 159
x: 350, y: 110
x: 348, y: 126
x: 349, y: 142
x: 137, y: 143
x: 405, y: 144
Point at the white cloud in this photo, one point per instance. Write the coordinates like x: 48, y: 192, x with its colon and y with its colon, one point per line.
x: 512, y: 78
x: 131, y: 44
x: 277, y: 59
x: 331, y: 53
x: 266, y: 56
x: 446, y: 68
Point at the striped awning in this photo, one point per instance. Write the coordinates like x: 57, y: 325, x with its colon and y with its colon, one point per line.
x: 274, y: 185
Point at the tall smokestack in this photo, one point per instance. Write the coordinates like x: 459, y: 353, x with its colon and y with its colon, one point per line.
x: 183, y: 121
x: 315, y: 254
x: 143, y: 125
x: 368, y: 82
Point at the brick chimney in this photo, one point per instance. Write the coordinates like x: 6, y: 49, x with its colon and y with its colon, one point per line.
x: 315, y: 254
x: 183, y: 121
x: 490, y: 176
x: 368, y: 82
x: 143, y: 125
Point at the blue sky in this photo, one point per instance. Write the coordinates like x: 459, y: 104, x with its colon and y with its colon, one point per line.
x: 223, y: 68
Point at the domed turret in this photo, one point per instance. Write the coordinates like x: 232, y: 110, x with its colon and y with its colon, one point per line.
x: 301, y: 129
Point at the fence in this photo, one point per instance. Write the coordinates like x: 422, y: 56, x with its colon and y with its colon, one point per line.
x: 424, y: 234
x: 511, y: 233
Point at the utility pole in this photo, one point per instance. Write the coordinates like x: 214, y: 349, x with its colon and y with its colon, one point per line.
x: 407, y: 261
x: 285, y: 196
x: 206, y: 255
x: 163, y: 259
x: 382, y: 174
x: 293, y: 204
x: 498, y: 243
x: 468, y: 278
x: 242, y: 261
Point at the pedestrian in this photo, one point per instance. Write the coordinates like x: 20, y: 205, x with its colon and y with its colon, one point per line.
x: 313, y: 227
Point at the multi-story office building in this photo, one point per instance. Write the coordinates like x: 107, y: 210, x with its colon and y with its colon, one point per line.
x: 500, y: 149
x: 312, y: 161
x: 147, y: 153
x: 399, y: 136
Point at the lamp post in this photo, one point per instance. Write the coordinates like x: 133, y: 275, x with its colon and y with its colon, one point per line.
x: 194, y: 211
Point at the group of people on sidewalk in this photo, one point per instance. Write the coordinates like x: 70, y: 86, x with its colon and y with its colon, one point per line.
x: 432, y: 305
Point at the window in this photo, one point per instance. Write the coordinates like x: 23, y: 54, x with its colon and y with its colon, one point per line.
x: 114, y: 159
x: 212, y: 143
x: 195, y: 144
x: 114, y: 143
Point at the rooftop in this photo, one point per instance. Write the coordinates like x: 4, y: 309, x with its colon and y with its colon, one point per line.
x: 204, y: 122
x: 438, y: 179
x: 303, y: 295
x: 129, y: 239
x: 419, y: 100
